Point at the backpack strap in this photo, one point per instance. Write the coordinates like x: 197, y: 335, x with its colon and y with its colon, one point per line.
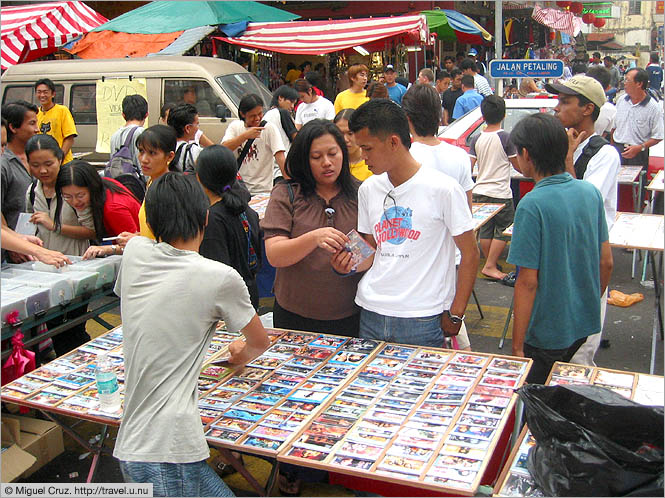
x: 32, y: 193
x: 248, y: 145
x: 188, y: 154
x: 128, y: 143
x: 173, y: 165
x: 596, y: 143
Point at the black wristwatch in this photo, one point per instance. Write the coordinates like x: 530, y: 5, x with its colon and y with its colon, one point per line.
x: 454, y: 318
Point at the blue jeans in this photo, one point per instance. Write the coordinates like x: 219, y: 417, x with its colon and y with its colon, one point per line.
x: 422, y: 331
x: 176, y: 479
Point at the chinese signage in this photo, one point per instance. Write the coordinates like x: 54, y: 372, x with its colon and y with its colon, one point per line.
x: 602, y: 9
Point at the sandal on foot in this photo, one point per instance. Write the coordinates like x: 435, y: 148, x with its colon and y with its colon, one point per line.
x: 509, y: 279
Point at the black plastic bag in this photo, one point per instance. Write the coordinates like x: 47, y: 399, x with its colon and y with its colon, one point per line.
x: 591, y: 441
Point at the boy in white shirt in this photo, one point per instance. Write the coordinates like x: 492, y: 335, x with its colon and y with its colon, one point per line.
x: 184, y: 119
x: 312, y: 106
x: 414, y: 216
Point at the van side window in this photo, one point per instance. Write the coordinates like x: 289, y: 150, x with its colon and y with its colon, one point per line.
x: 83, y: 104
x: 27, y: 93
x: 196, y: 92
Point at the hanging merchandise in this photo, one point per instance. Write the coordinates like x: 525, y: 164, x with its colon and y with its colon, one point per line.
x: 576, y: 7
x: 589, y: 18
x: 599, y: 22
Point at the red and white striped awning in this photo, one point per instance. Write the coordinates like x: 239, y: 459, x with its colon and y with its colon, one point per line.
x: 323, y: 37
x: 34, y: 30
x: 561, y: 20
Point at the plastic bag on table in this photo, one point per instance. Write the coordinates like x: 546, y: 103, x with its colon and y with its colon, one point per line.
x: 591, y: 441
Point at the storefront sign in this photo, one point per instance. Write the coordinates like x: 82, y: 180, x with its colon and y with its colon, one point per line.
x: 521, y: 68
x: 659, y: 7
x: 603, y: 9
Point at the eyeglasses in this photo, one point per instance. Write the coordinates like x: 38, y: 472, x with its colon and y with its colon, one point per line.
x: 330, y: 213
x: 386, y: 199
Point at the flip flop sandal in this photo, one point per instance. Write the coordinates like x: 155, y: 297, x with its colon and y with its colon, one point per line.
x: 509, y: 279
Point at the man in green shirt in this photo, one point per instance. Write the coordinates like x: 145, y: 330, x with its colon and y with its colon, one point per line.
x: 560, y: 244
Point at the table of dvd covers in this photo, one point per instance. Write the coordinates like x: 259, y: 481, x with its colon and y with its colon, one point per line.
x: 515, y: 479
x: 422, y: 417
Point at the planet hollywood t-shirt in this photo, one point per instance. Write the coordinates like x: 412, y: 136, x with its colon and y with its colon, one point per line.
x: 413, y: 224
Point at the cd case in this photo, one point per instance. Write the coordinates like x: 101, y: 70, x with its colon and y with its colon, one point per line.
x: 359, y: 248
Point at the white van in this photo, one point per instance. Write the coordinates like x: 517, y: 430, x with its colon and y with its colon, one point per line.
x: 219, y: 85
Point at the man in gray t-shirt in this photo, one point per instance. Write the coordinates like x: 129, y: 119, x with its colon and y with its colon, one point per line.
x: 171, y: 301
x: 135, y: 112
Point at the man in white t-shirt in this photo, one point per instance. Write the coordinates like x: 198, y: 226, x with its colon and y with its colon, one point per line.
x: 257, y: 165
x: 580, y: 100
x: 184, y: 119
x: 166, y: 339
x: 494, y: 153
x: 312, y: 106
x: 414, y: 216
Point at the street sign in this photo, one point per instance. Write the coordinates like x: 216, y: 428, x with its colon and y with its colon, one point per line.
x: 526, y: 68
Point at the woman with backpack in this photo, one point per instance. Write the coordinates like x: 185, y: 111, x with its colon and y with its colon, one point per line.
x: 114, y: 208
x: 232, y: 235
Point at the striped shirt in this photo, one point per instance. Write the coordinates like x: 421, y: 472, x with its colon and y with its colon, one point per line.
x: 482, y: 86
x: 637, y: 123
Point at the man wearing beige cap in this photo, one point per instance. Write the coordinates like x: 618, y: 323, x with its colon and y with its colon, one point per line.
x: 591, y: 158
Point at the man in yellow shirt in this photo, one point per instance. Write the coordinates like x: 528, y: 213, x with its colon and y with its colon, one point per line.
x: 55, y: 119
x: 355, y: 96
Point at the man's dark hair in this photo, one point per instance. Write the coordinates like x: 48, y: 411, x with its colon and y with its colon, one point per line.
x: 302, y: 85
x: 134, y: 108
x: 305, y: 64
x: 654, y: 57
x: 493, y: 109
x: 47, y: 82
x: 314, y: 78
x: 579, y: 68
x: 640, y: 77
x: 249, y: 102
x: 286, y: 92
x: 180, y: 116
x: 166, y: 108
x: 596, y: 55
x: 468, y: 64
x: 422, y: 105
x: 460, y: 54
x: 468, y: 81
x: 449, y: 58
x: 402, y: 81
x: 608, y: 59
x: 600, y: 74
x: 545, y: 138
x: 455, y: 72
x: 14, y: 113
x: 382, y: 117
x: 582, y: 101
x: 176, y: 207
x: 298, y: 162
x: 442, y: 74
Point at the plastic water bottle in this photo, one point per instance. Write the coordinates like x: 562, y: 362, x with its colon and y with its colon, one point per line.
x: 107, y: 385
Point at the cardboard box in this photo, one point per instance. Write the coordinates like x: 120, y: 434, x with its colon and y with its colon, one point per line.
x: 40, y: 438
x: 15, y: 461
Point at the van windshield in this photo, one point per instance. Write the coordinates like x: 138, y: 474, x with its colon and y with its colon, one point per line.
x: 238, y: 85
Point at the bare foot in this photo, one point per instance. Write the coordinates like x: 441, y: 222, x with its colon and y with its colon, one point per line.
x: 492, y: 273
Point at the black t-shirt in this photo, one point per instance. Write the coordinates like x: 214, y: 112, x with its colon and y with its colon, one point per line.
x: 449, y: 98
x: 225, y: 240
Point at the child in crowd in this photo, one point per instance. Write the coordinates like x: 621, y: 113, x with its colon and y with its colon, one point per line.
x: 161, y: 439
x: 356, y: 162
x: 232, y: 236
x: 114, y: 208
x: 69, y: 232
x: 414, y: 216
x: 494, y: 153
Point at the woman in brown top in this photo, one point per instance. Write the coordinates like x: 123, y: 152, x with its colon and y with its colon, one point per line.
x: 305, y: 224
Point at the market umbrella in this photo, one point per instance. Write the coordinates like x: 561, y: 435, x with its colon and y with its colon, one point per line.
x: 168, y: 17
x: 450, y: 25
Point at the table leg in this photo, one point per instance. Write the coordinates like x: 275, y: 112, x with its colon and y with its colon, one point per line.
x: 96, y: 449
x: 237, y: 464
x: 475, y: 298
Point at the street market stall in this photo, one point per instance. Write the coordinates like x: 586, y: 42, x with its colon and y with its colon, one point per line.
x: 34, y: 30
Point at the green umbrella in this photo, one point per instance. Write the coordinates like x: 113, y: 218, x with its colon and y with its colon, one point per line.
x: 450, y: 25
x: 167, y: 16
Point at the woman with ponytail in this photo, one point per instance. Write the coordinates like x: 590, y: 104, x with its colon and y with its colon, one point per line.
x: 232, y: 235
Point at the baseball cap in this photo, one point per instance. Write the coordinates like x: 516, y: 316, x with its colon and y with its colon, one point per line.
x: 473, y: 51
x: 388, y: 67
x: 580, y: 84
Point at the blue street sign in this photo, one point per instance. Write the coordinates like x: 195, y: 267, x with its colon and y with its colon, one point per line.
x: 526, y: 68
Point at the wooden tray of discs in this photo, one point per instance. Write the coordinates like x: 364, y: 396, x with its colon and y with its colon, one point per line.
x: 423, y: 417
